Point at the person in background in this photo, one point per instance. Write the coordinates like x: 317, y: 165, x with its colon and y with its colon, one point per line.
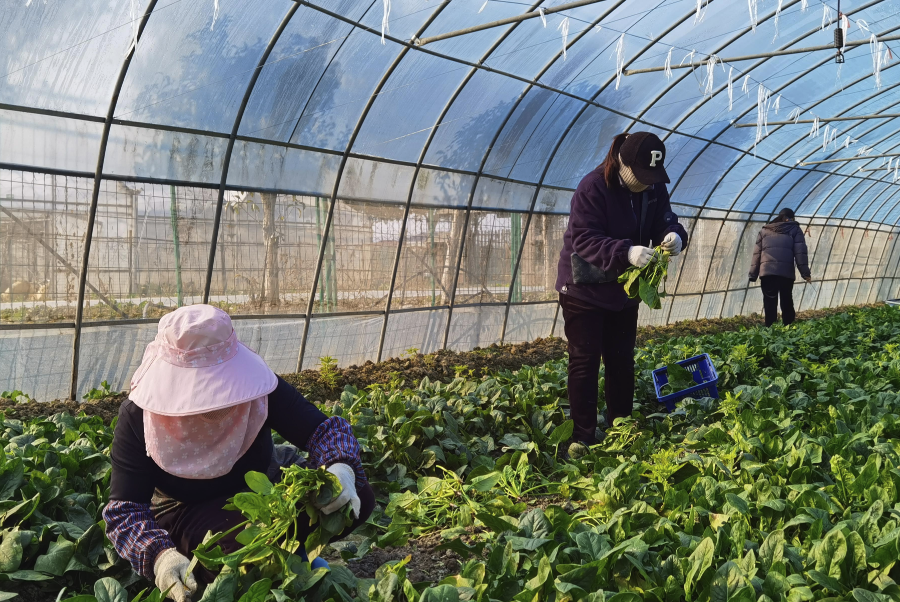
x: 779, y: 246
x: 200, y: 416
x: 619, y: 211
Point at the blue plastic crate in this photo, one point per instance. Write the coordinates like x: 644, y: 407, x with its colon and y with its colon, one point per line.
x: 705, y: 376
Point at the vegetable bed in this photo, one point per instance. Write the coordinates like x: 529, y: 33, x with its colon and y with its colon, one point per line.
x: 788, y: 488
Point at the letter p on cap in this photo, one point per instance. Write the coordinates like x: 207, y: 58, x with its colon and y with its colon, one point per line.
x: 654, y: 157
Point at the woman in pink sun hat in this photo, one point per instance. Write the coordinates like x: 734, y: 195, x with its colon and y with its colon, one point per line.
x: 199, y: 417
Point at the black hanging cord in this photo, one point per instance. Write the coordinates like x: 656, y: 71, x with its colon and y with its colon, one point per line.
x: 839, y: 37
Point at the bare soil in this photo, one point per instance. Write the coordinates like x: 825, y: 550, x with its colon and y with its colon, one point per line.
x: 440, y: 366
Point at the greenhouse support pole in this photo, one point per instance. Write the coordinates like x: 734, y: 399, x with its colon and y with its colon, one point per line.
x: 555, y: 318
x: 229, y: 150
x: 340, y: 173
x: 868, y: 229
x: 95, y: 197
x: 855, y: 254
x: 403, y: 225
x: 490, y: 147
x: 431, y: 226
x: 319, y: 244
x: 515, y: 234
x: 173, y: 206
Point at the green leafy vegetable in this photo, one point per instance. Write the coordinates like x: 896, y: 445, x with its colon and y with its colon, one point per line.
x: 645, y: 281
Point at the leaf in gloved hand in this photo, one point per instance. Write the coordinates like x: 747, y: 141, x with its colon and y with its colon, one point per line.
x: 649, y: 295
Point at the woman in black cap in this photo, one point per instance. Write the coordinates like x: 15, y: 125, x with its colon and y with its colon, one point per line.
x: 619, y: 211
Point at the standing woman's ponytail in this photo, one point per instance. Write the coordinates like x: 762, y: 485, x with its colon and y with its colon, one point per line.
x: 611, y: 163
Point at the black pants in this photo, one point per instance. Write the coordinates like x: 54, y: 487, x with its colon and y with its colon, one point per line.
x: 596, y: 335
x: 772, y: 287
x: 187, y: 524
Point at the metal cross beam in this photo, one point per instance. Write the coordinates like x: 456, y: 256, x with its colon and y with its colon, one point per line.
x: 761, y: 55
x: 500, y: 22
x: 823, y: 120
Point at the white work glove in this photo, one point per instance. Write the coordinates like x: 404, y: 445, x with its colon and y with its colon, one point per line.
x: 640, y: 256
x: 347, y: 477
x: 171, y: 570
x: 672, y: 243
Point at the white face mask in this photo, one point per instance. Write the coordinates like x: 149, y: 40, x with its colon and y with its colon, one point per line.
x: 629, y: 178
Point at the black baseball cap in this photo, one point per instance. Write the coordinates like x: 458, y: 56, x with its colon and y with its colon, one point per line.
x: 645, y: 154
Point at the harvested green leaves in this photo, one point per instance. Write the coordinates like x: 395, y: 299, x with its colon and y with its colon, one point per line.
x: 645, y: 281
x: 270, y: 531
x: 680, y: 379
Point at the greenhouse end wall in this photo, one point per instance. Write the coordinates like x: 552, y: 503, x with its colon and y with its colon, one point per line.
x: 392, y: 274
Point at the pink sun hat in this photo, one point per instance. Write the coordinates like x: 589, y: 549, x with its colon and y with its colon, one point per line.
x: 196, y: 365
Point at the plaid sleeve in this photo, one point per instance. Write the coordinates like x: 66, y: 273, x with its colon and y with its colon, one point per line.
x: 332, y: 442
x: 134, y: 534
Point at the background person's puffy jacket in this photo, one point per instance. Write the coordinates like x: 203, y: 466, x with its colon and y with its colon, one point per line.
x: 778, y: 247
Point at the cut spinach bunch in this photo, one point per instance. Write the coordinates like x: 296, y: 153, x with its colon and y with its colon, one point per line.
x: 645, y: 281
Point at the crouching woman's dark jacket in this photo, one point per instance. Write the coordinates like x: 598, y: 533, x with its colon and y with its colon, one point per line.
x: 604, y: 224
x: 778, y: 246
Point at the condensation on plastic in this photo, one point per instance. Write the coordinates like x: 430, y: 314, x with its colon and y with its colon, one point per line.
x: 147, y: 153
x: 351, y: 340
x: 365, y: 180
x: 439, y: 188
x: 49, y: 142
x: 37, y: 362
x: 529, y: 322
x: 475, y: 327
x: 419, y: 330
x: 266, y: 166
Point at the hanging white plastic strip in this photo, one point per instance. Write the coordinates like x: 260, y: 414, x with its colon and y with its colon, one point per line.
x: 620, y: 59
x: 668, y: 66
x: 746, y: 87
x: 762, y: 113
x: 815, y: 128
x: 777, y: 16
x: 385, y: 20
x: 710, y: 69
x: 825, y: 133
x: 777, y: 104
x: 483, y: 6
x: 804, y: 5
x: 698, y: 17
x: 215, y: 14
x: 862, y: 24
x: 847, y: 142
x: 827, y: 19
x: 897, y: 172
x: 134, y: 28
x: 876, y: 49
x: 597, y: 28
x: 754, y: 13
x: 543, y: 18
x: 730, y: 89
x: 564, y: 27
x: 794, y: 115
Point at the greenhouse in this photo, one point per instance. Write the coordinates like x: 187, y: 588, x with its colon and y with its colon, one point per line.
x: 384, y: 199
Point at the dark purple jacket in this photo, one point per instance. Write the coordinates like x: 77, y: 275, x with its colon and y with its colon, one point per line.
x: 602, y: 227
